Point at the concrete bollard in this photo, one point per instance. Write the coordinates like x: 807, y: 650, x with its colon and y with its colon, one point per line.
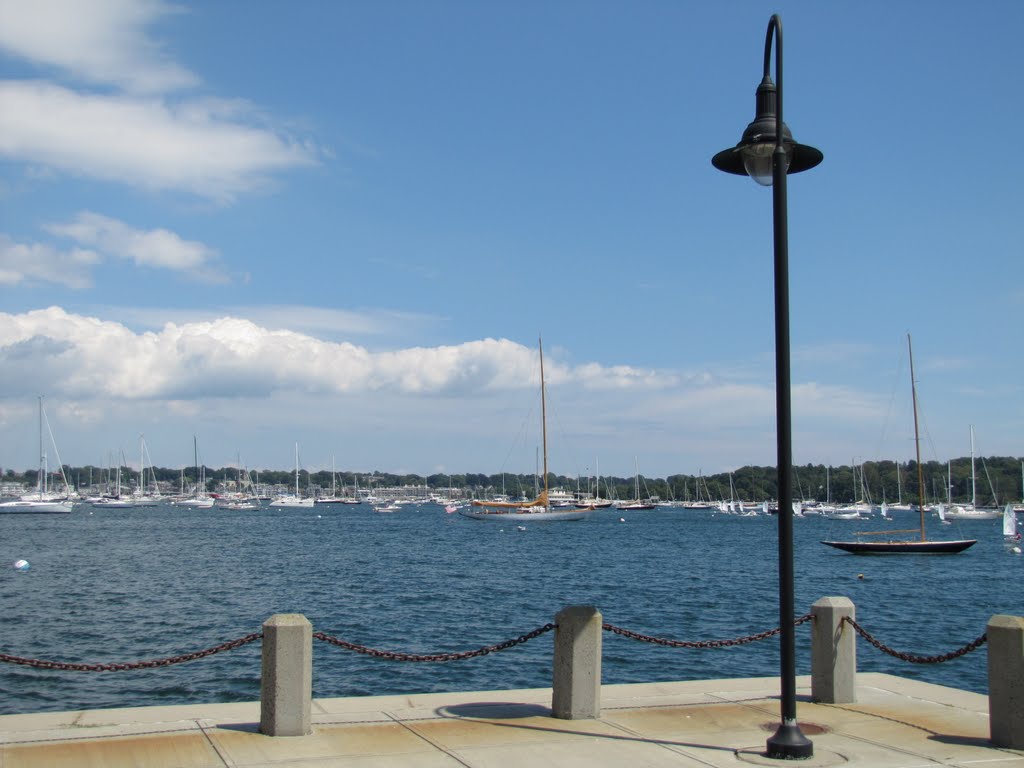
x: 1005, y: 636
x: 833, y: 652
x: 576, y: 671
x: 286, y: 686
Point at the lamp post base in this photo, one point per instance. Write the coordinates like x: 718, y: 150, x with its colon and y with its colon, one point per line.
x: 789, y: 743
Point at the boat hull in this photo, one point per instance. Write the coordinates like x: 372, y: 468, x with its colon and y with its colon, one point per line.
x: 36, y: 507
x: 524, y: 515
x: 902, y: 547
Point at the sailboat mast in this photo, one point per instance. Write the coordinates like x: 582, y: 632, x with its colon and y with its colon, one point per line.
x: 41, y: 480
x: 543, y: 419
x: 917, y: 441
x: 974, y: 497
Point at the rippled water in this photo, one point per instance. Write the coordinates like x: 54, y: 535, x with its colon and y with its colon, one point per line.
x: 116, y: 586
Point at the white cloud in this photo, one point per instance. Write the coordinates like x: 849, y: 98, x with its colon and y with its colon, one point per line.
x: 158, y: 248
x: 38, y: 262
x: 96, y: 41
x: 232, y: 357
x: 201, y: 147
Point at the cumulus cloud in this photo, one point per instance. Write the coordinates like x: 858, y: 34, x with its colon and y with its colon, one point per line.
x: 41, y: 263
x: 232, y: 357
x: 158, y: 248
x: 96, y: 41
x: 201, y: 148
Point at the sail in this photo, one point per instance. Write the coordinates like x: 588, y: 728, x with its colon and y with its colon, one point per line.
x: 1009, y: 522
x: 540, y: 501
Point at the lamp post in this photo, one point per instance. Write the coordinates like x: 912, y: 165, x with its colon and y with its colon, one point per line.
x: 766, y: 153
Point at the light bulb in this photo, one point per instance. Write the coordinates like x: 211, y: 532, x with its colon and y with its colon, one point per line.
x: 757, y: 161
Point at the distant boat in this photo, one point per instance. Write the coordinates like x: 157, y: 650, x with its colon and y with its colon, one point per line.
x: 972, y: 511
x: 636, y: 503
x: 43, y: 501
x: 540, y: 509
x: 293, y: 500
x: 334, y: 498
x: 923, y: 545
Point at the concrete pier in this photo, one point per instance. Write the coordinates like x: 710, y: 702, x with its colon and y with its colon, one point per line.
x: 895, y: 723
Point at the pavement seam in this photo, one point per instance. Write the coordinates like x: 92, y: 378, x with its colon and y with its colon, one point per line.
x: 676, y: 748
x: 224, y: 758
x: 423, y: 738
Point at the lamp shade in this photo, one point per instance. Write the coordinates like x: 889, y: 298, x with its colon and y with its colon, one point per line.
x: 752, y: 156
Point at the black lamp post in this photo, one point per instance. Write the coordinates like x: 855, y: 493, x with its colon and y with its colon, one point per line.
x: 767, y: 153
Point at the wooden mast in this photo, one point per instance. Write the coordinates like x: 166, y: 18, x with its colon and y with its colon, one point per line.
x: 917, y: 441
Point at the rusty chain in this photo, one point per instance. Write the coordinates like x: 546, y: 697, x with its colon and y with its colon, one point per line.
x: 912, y: 658
x: 458, y: 656
x: 702, y: 643
x: 484, y: 651
x: 122, y: 667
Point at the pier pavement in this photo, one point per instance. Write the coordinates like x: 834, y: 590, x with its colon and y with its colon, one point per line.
x: 895, y: 723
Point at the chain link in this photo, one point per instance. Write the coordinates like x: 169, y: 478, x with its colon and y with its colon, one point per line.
x: 912, y: 658
x: 702, y: 643
x: 122, y: 667
x: 395, y: 656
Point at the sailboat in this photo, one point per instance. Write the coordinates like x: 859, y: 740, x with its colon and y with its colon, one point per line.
x: 922, y: 545
x: 972, y: 511
x: 334, y: 498
x: 293, y: 499
x: 540, y: 508
x: 42, y: 501
x: 596, y: 501
x: 199, y: 498
x: 636, y: 503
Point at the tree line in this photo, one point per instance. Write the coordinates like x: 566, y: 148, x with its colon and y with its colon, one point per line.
x: 997, y: 480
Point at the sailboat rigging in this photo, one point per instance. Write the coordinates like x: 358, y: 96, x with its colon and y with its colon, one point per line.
x: 540, y: 509
x: 922, y: 545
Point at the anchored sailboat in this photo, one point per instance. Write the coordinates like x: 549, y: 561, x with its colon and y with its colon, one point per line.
x: 540, y: 509
x: 923, y: 545
x: 43, y: 501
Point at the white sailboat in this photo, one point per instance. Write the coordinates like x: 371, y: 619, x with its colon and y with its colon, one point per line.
x: 293, y: 499
x: 43, y: 501
x: 199, y: 499
x: 972, y: 511
x: 540, y: 509
x: 141, y: 498
x: 636, y: 503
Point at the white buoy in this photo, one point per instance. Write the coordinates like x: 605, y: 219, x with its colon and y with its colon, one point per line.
x: 21, y: 565
x: 1015, y: 550
x: 622, y: 519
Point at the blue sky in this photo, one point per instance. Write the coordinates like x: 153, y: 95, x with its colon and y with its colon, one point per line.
x: 346, y: 224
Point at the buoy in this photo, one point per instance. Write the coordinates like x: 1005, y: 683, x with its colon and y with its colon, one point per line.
x: 860, y: 576
x: 520, y: 527
x: 21, y: 565
x: 319, y: 517
x: 1015, y: 550
x: 622, y: 519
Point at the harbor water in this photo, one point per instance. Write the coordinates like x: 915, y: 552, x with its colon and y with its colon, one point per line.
x: 108, y: 586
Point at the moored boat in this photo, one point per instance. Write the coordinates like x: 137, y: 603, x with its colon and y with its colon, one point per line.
x: 541, y: 508
x: 922, y: 545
